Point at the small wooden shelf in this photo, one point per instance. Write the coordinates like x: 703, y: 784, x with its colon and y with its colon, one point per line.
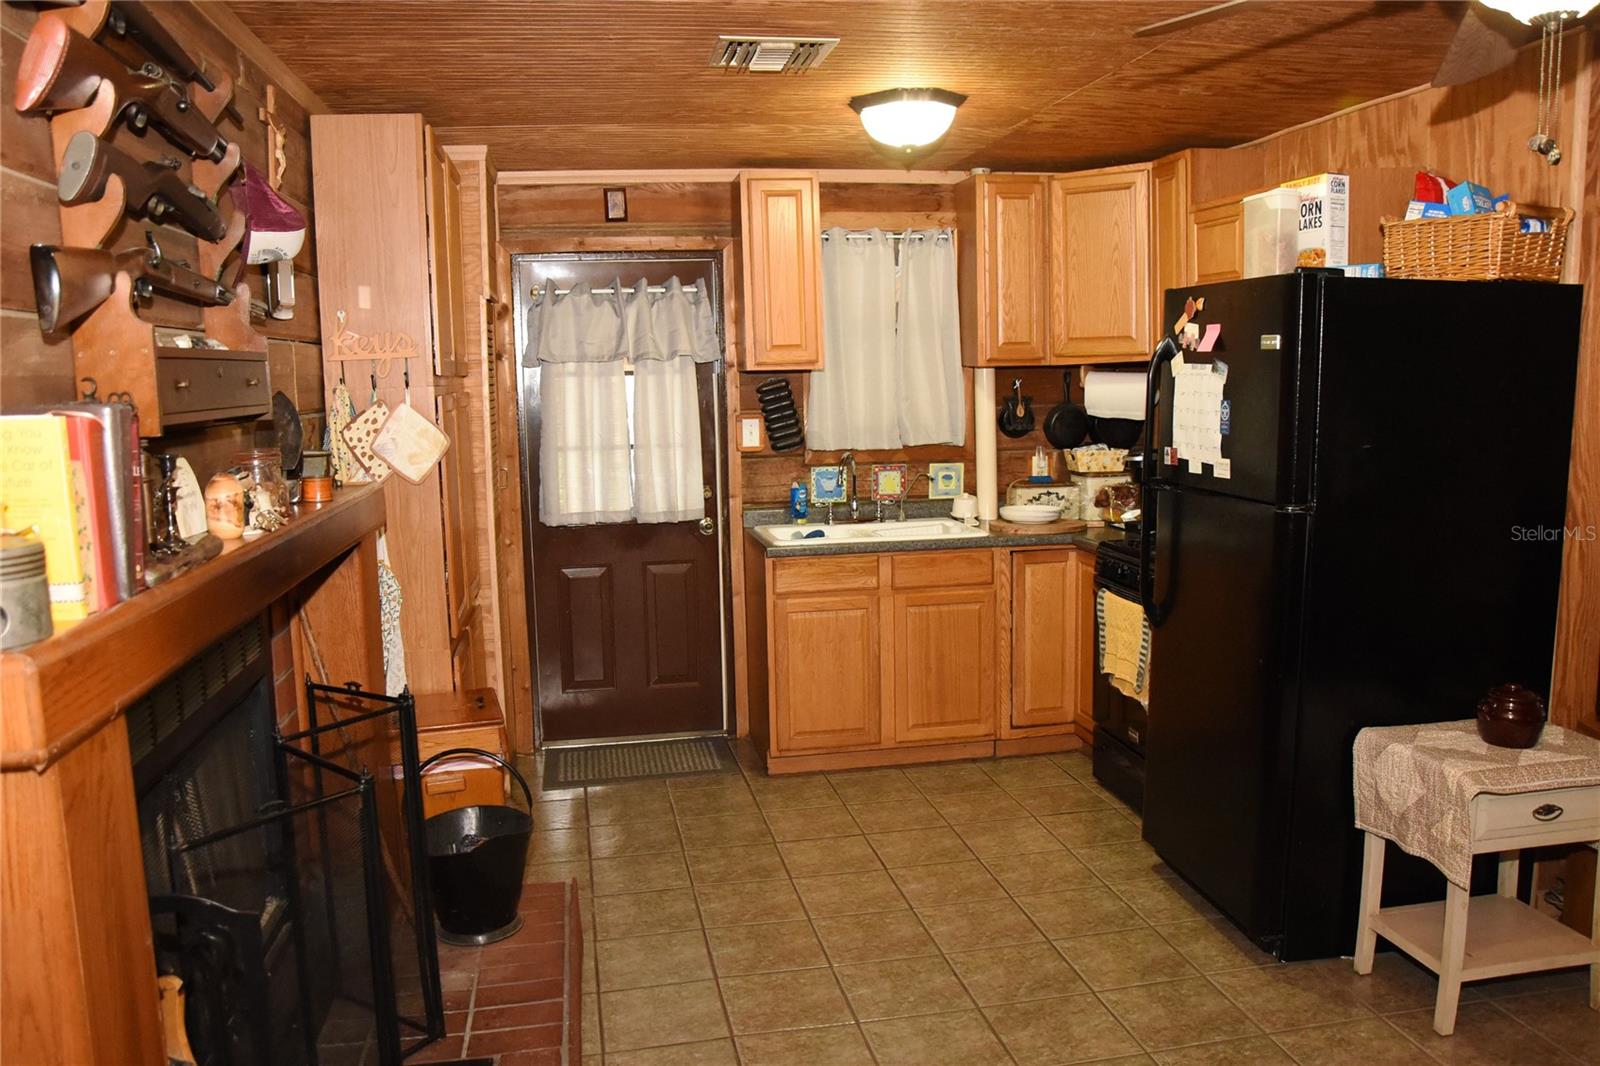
x: 1504, y: 936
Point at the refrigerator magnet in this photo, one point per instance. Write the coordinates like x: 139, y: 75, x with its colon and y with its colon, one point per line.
x: 1209, y: 340
x: 1225, y: 415
x: 1169, y: 455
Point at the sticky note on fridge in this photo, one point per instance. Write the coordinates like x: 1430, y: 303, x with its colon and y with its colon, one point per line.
x: 1223, y: 468
x: 1213, y: 331
x: 1196, y: 467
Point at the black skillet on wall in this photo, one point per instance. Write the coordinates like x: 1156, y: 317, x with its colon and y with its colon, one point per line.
x: 1016, y: 414
x: 1067, y: 423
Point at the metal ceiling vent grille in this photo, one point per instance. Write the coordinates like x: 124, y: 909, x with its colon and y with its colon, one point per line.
x: 771, y: 55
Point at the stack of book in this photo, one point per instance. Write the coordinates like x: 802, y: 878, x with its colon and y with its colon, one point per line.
x: 73, y: 475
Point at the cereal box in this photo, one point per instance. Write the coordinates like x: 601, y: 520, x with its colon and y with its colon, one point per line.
x: 1324, y: 233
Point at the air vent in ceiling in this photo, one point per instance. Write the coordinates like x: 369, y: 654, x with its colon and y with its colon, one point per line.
x: 771, y: 55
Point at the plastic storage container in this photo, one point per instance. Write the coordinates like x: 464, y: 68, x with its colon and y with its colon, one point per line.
x: 1271, y: 232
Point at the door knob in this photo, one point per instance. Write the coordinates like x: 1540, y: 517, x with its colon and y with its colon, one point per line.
x: 708, y: 526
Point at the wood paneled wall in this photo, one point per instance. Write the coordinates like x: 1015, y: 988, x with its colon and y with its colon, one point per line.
x: 39, y: 369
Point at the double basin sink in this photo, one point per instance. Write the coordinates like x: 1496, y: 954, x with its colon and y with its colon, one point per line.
x: 775, y: 536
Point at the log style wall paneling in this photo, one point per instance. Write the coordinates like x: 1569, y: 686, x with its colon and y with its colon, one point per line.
x: 39, y: 369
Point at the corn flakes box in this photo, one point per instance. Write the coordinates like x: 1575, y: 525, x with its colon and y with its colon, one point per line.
x: 1323, y: 236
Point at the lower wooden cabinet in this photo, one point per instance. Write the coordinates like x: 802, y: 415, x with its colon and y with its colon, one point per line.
x: 1045, y: 635
x: 944, y: 654
x: 825, y: 671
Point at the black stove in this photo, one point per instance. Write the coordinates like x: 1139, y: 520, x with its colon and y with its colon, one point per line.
x: 1119, y: 720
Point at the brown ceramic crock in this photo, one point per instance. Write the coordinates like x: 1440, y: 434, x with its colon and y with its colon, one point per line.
x: 1511, y: 716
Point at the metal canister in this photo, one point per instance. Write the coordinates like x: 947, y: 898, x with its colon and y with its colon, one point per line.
x: 24, y: 593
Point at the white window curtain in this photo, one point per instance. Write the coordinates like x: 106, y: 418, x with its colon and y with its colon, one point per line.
x: 582, y: 341
x: 851, y: 403
x: 928, y: 342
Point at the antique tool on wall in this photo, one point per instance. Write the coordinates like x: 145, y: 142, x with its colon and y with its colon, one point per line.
x: 153, y: 190
x: 70, y: 282
x: 133, y: 21
x: 778, y: 411
x: 62, y: 70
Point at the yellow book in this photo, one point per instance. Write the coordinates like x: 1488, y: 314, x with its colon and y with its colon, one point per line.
x: 37, y: 489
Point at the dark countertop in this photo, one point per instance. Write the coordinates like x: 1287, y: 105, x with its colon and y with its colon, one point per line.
x: 1087, y: 540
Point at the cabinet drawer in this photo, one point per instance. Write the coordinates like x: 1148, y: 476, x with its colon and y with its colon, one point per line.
x: 195, y: 389
x: 918, y: 570
x: 1567, y: 813
x: 485, y: 737
x: 824, y: 574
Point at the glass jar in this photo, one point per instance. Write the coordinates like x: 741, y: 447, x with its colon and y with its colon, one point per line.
x: 260, y: 472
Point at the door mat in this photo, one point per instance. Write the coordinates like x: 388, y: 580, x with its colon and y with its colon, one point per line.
x: 609, y: 763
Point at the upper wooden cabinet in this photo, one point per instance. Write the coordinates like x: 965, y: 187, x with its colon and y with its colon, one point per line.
x: 1100, y: 264
x: 1004, y: 269
x: 444, y: 260
x: 1171, y: 235
x: 782, y: 255
x: 1218, y: 241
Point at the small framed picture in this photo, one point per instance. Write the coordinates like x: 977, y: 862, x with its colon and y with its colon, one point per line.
x: 827, y: 484
x: 616, y: 205
x: 888, y: 481
x: 946, y: 481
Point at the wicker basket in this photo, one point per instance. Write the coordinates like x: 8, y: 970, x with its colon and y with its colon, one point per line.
x: 1477, y: 247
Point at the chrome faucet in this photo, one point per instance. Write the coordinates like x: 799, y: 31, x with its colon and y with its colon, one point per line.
x: 900, y: 501
x: 850, y: 485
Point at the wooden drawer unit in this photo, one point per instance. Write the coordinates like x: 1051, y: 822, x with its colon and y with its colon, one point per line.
x: 919, y: 570
x: 194, y: 387
x: 824, y: 574
x: 448, y: 720
x: 1498, y: 819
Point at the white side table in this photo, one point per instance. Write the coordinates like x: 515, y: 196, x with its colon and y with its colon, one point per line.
x: 1470, y: 938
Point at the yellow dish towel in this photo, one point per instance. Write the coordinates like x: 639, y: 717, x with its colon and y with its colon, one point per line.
x: 1124, y: 644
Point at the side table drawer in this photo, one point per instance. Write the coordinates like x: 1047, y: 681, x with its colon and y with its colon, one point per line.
x: 1562, y: 814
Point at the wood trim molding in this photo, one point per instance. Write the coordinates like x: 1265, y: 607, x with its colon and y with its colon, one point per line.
x: 693, y: 177
x: 220, y: 16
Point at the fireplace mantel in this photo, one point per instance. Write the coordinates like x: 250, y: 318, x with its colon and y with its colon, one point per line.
x: 77, y: 969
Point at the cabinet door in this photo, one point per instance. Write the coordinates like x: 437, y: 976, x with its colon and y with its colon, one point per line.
x: 444, y: 260
x: 1044, y: 638
x: 825, y: 684
x: 1086, y: 650
x: 1012, y: 270
x: 1219, y: 242
x: 944, y: 665
x: 455, y: 474
x: 782, y: 273
x: 1171, y: 236
x: 1100, y: 264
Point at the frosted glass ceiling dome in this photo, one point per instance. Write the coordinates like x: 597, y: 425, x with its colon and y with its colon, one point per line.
x: 907, y: 121
x: 1531, y: 11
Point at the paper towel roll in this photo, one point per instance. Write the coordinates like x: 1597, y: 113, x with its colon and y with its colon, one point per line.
x: 1114, y: 393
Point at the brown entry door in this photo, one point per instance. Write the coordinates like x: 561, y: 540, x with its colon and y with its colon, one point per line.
x: 627, y: 617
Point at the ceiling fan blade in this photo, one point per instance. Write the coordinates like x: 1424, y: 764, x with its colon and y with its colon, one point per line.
x: 1196, y: 18
x: 1486, y: 41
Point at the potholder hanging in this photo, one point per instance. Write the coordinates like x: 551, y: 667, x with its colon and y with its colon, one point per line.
x: 360, y: 434
x: 410, y: 443
x: 345, y: 467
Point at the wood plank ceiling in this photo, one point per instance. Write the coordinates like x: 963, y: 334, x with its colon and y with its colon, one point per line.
x: 1052, y: 84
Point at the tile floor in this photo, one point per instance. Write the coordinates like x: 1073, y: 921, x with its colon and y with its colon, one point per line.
x: 1002, y: 911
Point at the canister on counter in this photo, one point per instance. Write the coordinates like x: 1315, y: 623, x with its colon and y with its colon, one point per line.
x: 24, y: 593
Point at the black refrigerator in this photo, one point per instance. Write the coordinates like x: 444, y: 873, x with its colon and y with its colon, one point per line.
x: 1385, y: 546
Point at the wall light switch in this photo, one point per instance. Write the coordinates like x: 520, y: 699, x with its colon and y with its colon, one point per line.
x: 750, y: 434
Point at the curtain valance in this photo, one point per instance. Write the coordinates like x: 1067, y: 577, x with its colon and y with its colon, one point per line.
x: 588, y: 325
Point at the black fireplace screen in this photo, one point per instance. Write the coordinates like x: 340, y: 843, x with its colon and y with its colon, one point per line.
x: 288, y: 885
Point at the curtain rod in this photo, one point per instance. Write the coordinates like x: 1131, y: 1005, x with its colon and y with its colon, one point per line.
x: 611, y: 290
x: 858, y: 235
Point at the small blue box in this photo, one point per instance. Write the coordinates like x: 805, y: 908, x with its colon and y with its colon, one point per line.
x: 1364, y: 270
x: 1425, y: 209
x: 1469, y: 198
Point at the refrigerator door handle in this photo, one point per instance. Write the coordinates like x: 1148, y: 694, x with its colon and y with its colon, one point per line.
x: 1165, y: 351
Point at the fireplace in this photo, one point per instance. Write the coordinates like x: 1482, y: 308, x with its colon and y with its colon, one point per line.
x: 285, y: 881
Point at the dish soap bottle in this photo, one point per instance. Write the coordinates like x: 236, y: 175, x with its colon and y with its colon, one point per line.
x: 799, y: 503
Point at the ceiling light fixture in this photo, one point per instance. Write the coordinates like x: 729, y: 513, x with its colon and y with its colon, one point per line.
x: 908, y: 122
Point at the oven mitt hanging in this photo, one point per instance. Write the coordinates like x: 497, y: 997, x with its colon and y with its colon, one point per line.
x: 360, y: 434
x: 340, y: 415
x: 410, y: 443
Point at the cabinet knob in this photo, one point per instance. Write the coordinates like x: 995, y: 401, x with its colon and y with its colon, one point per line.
x: 1548, y: 812
x: 181, y: 383
x: 252, y: 382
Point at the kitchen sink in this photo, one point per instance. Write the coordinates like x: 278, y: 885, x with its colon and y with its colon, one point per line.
x: 866, y: 532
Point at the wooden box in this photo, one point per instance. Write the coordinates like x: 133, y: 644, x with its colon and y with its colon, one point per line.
x: 469, y: 719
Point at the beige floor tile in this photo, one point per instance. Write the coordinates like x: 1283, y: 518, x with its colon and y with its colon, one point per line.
x: 992, y: 806
x: 1164, y: 899
x: 839, y: 894
x: 724, y: 830
x: 1014, y: 836
x: 769, y: 948
x: 1249, y: 1051
x: 591, y: 1020
x: 713, y: 802
x: 1131, y: 860
x: 663, y: 1014
x: 793, y: 793
x: 980, y: 923
x: 1364, y: 1042
x: 744, y: 903
x: 834, y: 1045
x: 639, y: 913
x: 945, y: 779
x: 658, y: 959
x: 1015, y: 974
x: 1289, y: 997
x: 744, y: 862
x: 895, y: 815
x: 1126, y: 957
x: 811, y: 823
x: 1027, y: 771
x: 897, y: 988
x: 918, y: 847
x: 703, y: 1053
x: 1395, y: 984
x: 960, y: 1039
x: 607, y: 807
x: 1484, y: 1036
x: 796, y: 999
x: 639, y: 873
x: 1079, y: 829
x: 560, y: 814
x: 836, y: 855
x: 1530, y: 983
x: 874, y: 937
x: 546, y: 872
x: 1079, y: 911
x: 1058, y: 799
x: 1563, y: 1016
x: 951, y: 882
x: 632, y: 838
x: 1039, y: 871
x: 695, y: 782
x: 1049, y: 1031
x: 1176, y: 1013
x: 1076, y: 763
x: 1213, y: 944
x: 873, y: 786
